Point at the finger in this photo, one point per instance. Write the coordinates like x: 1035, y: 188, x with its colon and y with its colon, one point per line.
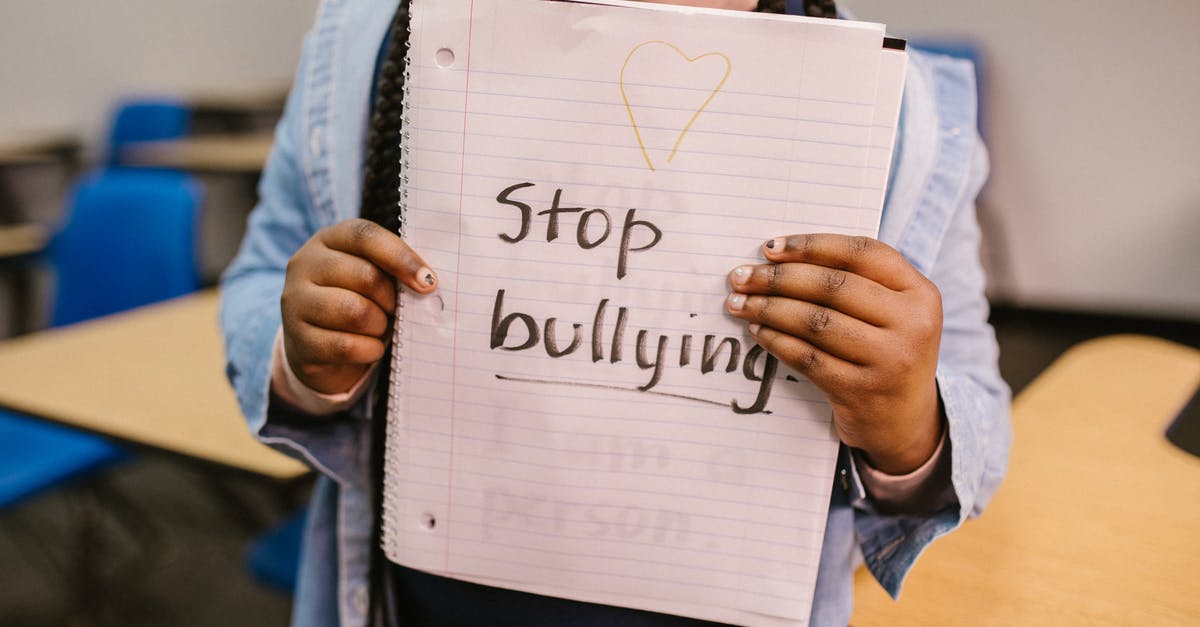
x: 342, y: 270
x: 828, y: 329
x: 828, y: 372
x: 363, y: 238
x: 864, y: 256
x: 844, y: 291
x: 343, y: 310
x: 320, y: 346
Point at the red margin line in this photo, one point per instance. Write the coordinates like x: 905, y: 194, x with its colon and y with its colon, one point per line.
x: 457, y: 281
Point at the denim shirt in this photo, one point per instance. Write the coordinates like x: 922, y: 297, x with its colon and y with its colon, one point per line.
x: 313, y: 179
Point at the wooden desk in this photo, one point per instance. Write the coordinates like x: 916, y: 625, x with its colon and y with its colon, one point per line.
x: 269, y: 100
x: 37, y: 147
x: 18, y: 240
x: 18, y: 244
x: 1098, y: 521
x: 152, y: 376
x: 244, y: 154
x: 236, y: 111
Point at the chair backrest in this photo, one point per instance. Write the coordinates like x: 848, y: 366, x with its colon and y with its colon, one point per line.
x: 129, y: 239
x: 138, y: 120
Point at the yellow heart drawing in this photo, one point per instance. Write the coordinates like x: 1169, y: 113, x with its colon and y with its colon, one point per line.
x: 683, y: 132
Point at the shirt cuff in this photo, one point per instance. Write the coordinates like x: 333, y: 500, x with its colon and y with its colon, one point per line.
x: 927, y: 489
x: 288, y: 387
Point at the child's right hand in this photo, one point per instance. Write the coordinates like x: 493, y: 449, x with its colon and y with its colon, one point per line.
x: 338, y: 299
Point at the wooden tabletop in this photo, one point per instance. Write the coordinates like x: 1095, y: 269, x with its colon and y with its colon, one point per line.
x: 239, y: 153
x: 1098, y: 521
x: 269, y: 100
x: 35, y: 147
x: 21, y: 239
x: 152, y: 376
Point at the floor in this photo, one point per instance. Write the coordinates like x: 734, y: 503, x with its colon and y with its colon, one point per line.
x: 169, y: 539
x: 171, y: 535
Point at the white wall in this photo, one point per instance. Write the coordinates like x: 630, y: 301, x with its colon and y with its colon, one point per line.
x: 1094, y: 130
x: 63, y: 63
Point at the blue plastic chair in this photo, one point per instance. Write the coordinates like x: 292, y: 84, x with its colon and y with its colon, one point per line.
x: 138, y: 120
x: 35, y: 455
x: 128, y: 240
x: 274, y: 558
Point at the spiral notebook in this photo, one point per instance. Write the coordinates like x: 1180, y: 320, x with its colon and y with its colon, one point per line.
x: 573, y: 413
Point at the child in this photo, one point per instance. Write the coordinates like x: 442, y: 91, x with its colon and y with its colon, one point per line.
x: 893, y: 331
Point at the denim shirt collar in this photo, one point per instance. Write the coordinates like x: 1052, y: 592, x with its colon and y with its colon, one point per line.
x: 338, y: 85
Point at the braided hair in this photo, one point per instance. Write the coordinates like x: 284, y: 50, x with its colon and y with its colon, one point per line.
x: 812, y: 8
x: 381, y: 165
x: 821, y: 8
x: 382, y: 177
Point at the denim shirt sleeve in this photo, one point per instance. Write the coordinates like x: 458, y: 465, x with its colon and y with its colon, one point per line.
x: 941, y: 238
x: 280, y: 224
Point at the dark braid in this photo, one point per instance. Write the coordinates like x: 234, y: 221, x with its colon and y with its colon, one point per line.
x: 381, y: 165
x: 772, y: 6
x: 812, y: 8
x: 381, y: 204
x: 821, y: 8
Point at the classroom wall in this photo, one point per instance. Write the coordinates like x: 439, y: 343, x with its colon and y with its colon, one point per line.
x: 65, y: 62
x: 1094, y: 202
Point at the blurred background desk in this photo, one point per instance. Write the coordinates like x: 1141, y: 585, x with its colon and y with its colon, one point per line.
x: 25, y: 150
x: 38, y: 147
x: 1098, y: 519
x: 236, y: 110
x: 233, y: 154
x: 19, y: 243
x: 29, y: 160
x: 152, y: 376
x: 19, y: 240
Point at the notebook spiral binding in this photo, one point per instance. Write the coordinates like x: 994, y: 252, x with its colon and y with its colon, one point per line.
x: 389, y: 512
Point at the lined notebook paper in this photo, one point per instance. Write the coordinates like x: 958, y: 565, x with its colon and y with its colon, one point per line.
x: 572, y: 412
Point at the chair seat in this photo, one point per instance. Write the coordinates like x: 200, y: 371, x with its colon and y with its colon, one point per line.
x: 274, y: 558
x: 38, y: 454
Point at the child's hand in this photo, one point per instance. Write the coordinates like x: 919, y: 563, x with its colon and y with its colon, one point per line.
x: 338, y: 298
x: 852, y: 315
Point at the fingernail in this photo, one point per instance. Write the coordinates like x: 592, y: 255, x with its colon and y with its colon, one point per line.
x: 740, y: 275
x: 426, y: 276
x: 775, y: 244
x: 754, y: 327
x: 736, y: 302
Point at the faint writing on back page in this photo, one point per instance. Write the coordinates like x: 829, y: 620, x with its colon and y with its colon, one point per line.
x: 573, y: 413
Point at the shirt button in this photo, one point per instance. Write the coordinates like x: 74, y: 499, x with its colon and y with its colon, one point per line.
x: 314, y: 141
x: 358, y: 597
x: 956, y: 131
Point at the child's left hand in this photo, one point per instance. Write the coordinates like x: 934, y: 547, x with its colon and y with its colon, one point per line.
x: 852, y: 315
